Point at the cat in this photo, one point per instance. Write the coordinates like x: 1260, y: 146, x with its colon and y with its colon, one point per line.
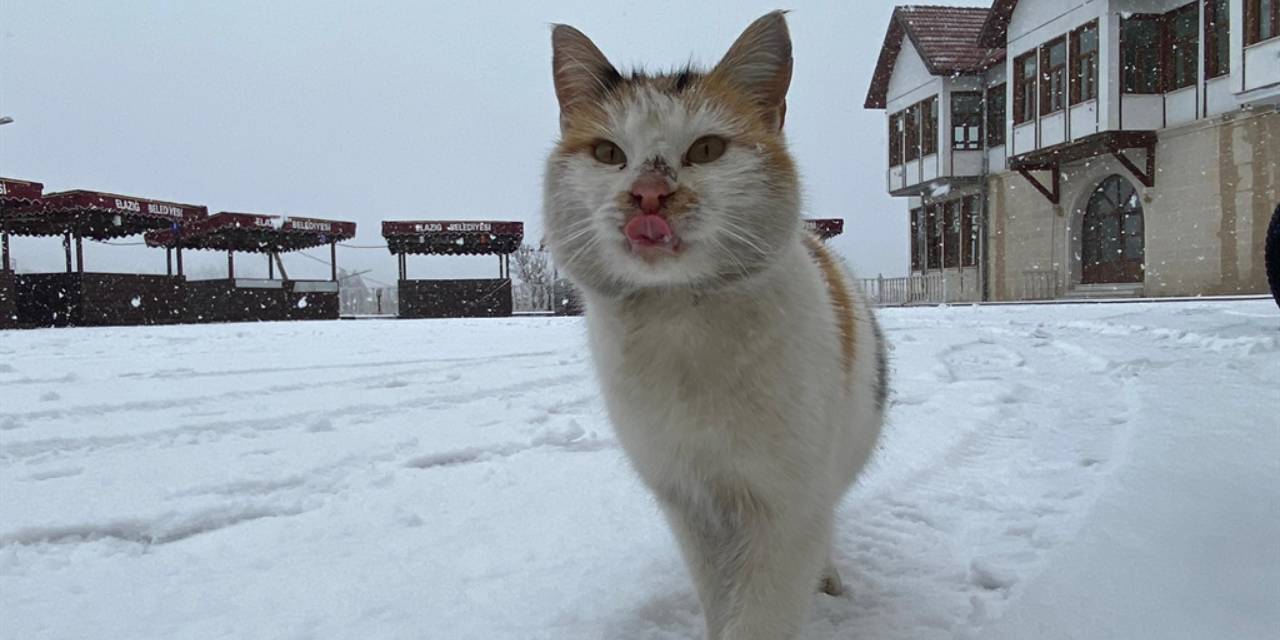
x: 744, y: 375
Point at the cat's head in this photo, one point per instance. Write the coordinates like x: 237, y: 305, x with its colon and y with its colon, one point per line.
x: 673, y: 180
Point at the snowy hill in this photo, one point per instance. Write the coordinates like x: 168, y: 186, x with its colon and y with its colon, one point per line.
x: 1105, y: 471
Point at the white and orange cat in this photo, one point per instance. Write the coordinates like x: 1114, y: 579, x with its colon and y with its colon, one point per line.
x: 744, y: 375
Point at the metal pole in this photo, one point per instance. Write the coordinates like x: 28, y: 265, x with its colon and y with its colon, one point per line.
x: 333, y: 261
x: 168, y: 261
x: 271, y: 266
x: 66, y: 247
x: 231, y: 265
x: 179, y: 252
x: 4, y: 249
x: 79, y: 255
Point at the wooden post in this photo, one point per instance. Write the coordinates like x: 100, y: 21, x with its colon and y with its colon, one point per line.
x: 168, y: 261
x: 79, y: 255
x: 333, y: 261
x: 4, y: 249
x: 271, y: 266
x: 231, y: 265
x: 66, y: 247
x: 403, y: 267
x: 179, y: 252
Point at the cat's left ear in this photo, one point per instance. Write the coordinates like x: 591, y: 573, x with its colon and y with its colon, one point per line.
x: 582, y: 73
x: 759, y: 62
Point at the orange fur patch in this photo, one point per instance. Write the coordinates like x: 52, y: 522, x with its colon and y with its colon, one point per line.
x: 841, y: 301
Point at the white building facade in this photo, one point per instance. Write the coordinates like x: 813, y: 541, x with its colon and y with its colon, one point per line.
x: 1087, y: 147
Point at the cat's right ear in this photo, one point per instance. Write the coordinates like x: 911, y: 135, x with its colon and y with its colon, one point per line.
x: 581, y: 71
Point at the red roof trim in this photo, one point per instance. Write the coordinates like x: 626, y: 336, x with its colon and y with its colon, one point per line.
x: 97, y: 201
x: 20, y: 192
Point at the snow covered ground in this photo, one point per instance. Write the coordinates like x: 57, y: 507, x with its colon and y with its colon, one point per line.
x: 1104, y: 471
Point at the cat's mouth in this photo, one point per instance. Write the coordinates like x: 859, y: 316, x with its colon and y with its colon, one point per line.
x: 649, y: 236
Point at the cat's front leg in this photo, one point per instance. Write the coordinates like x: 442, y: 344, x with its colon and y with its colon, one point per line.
x: 754, y: 564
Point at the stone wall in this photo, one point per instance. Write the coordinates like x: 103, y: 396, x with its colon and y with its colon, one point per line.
x: 1205, y: 219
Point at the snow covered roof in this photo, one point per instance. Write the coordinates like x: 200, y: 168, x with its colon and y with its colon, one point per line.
x: 254, y: 233
x: 946, y: 39
x: 453, y: 237
x: 99, y: 215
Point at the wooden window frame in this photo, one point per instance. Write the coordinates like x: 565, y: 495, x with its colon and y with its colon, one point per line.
x: 933, y: 237
x: 1217, y: 29
x: 975, y: 117
x: 970, y: 244
x: 1024, y: 88
x: 952, y: 214
x: 1048, y: 71
x: 929, y: 126
x: 1158, y: 21
x: 1083, y: 63
x: 995, y: 124
x: 1253, y: 21
x: 911, y: 128
x: 917, y: 220
x: 895, y: 139
x: 1170, y: 46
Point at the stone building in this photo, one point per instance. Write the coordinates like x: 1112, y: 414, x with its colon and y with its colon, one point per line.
x: 1084, y: 148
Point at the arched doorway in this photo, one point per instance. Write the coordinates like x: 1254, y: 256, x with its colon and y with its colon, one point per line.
x: 1112, y: 247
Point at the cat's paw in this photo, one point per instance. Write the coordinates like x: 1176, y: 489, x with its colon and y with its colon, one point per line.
x: 829, y: 582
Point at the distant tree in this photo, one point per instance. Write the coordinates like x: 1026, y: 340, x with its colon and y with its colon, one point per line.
x: 533, y: 271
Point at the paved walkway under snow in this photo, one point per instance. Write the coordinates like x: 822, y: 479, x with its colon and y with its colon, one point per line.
x: 1104, y: 471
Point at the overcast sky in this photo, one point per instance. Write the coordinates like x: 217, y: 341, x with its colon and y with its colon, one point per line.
x: 390, y: 110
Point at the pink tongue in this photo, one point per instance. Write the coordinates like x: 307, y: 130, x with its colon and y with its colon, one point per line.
x: 648, y: 230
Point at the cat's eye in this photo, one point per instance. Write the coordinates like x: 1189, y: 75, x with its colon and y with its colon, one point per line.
x: 705, y: 149
x: 609, y: 153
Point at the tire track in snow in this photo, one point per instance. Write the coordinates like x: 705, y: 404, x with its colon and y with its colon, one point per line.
x: 940, y: 551
x: 242, y: 394
x: 204, y: 432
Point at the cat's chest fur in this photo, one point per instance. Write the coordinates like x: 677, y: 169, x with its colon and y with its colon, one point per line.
x: 719, y: 384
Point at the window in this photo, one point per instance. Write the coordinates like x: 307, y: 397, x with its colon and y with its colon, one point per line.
x: 929, y: 126
x: 933, y: 236
x: 1024, y: 88
x: 969, y: 232
x: 911, y: 122
x: 1261, y: 20
x: 1183, y: 29
x: 917, y: 229
x: 1217, y: 38
x: 995, y: 115
x: 1140, y: 47
x: 1084, y: 63
x: 895, y: 139
x: 952, y: 215
x: 966, y: 120
x: 1053, y: 76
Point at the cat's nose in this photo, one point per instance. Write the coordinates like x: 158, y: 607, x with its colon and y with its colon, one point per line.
x: 649, y: 193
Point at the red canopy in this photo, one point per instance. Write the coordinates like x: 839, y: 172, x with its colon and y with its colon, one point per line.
x: 825, y: 227
x: 453, y: 237
x: 98, y: 215
x: 16, y: 195
x: 252, y: 232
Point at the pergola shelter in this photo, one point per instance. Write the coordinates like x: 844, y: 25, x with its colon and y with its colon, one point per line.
x: 455, y: 298
x: 15, y: 196
x: 237, y: 299
x: 825, y: 228
x: 80, y: 298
